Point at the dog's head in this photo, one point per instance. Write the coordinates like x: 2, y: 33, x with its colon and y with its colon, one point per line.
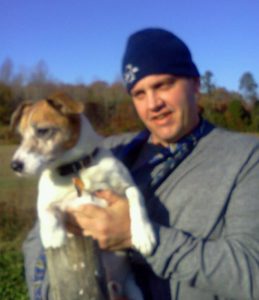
x: 48, y: 128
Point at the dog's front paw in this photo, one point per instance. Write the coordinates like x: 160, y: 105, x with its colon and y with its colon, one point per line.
x: 142, y: 234
x: 143, y: 238
x: 79, y: 201
x: 54, y: 239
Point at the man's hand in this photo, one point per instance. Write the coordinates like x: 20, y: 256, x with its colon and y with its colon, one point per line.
x: 110, y: 226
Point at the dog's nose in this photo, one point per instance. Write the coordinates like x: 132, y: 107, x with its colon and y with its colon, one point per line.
x: 17, y: 165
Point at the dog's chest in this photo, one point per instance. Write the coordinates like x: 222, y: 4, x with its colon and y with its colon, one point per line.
x: 53, y: 189
x: 108, y: 174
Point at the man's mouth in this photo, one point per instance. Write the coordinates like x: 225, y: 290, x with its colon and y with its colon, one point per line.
x: 162, y: 117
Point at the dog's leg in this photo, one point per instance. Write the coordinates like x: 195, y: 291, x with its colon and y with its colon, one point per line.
x: 52, y: 230
x: 142, y: 233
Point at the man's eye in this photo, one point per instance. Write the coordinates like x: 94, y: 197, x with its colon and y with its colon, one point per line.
x: 163, y: 86
x: 138, y: 95
x: 166, y: 85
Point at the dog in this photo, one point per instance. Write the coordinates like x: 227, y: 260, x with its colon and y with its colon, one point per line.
x: 58, y: 143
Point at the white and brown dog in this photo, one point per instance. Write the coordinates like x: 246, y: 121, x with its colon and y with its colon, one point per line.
x: 59, y: 142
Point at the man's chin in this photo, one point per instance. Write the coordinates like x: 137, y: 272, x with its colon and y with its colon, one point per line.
x: 165, y: 138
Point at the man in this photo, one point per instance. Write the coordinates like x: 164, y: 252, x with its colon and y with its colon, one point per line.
x: 200, y: 184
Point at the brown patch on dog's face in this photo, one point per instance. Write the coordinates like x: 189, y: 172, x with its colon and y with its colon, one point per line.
x: 48, y: 128
x: 64, y: 104
x: 17, y: 115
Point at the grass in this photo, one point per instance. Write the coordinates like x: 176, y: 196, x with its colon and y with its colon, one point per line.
x: 11, y: 276
x: 17, y: 211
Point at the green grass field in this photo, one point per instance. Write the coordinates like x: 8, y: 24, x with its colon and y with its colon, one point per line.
x: 17, y: 214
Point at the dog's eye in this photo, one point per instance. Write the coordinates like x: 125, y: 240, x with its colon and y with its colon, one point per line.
x: 43, y: 132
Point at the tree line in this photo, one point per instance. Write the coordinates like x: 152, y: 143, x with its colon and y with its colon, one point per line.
x: 109, y: 107
x: 233, y: 110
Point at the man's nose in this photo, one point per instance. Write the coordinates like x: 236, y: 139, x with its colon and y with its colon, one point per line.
x: 155, y: 102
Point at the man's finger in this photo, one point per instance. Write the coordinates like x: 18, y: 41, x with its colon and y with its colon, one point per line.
x: 87, y: 210
x: 108, y: 195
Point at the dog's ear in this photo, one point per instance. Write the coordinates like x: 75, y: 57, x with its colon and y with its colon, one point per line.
x: 17, y: 114
x: 65, y: 104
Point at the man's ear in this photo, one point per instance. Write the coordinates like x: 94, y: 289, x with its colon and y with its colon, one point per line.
x: 65, y: 104
x: 17, y: 114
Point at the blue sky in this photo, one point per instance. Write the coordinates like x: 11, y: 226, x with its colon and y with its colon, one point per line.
x: 83, y: 40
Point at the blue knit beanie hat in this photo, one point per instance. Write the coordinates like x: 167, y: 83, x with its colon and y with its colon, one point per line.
x: 156, y: 51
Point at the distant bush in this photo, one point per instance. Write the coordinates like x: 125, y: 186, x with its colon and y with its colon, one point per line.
x: 6, y: 136
x: 6, y: 103
x: 237, y: 117
x: 255, y: 118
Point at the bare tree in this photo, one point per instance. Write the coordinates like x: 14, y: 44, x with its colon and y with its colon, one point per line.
x: 207, y: 85
x: 39, y: 74
x: 6, y: 71
x: 248, y: 86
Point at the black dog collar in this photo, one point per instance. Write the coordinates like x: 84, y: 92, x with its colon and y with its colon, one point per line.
x: 75, y: 166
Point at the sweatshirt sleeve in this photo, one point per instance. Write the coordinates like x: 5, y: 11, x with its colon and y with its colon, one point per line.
x: 227, y: 266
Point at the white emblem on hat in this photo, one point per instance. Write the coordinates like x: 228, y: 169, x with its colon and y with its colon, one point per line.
x: 130, y: 73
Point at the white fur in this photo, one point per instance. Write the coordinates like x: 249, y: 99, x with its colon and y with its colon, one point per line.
x: 105, y: 173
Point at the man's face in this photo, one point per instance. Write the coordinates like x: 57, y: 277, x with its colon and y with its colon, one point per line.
x: 167, y: 105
